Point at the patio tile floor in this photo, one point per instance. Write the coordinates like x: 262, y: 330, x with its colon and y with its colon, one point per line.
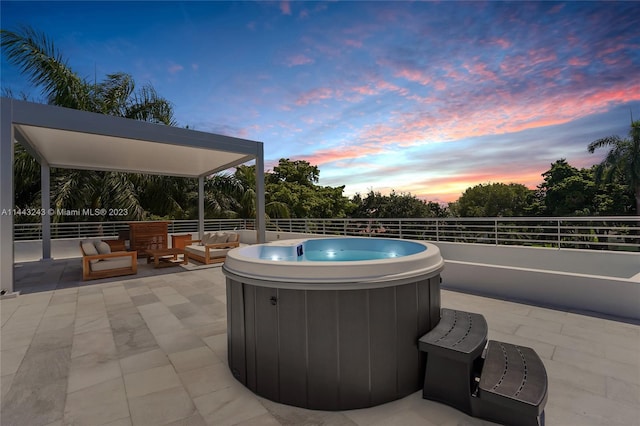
x: 150, y: 349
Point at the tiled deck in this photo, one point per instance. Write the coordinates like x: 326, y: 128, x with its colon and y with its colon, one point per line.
x: 151, y: 350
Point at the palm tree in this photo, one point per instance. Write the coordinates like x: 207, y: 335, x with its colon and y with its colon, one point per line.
x: 623, y: 159
x: 37, y: 58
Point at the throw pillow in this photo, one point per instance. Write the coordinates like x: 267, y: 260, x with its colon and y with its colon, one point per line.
x: 102, y: 247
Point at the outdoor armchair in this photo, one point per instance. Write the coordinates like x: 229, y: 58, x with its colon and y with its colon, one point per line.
x: 99, y: 262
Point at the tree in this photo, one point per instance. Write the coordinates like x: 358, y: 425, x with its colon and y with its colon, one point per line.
x: 495, y: 200
x: 567, y: 191
x: 395, y: 205
x: 37, y: 58
x: 622, y: 160
x: 294, y: 184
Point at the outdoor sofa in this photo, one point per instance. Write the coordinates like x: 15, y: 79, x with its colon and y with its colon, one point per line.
x: 213, y: 247
x: 98, y: 261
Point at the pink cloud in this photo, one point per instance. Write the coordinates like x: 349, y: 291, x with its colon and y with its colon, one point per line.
x: 577, y: 62
x: 285, y: 7
x: 414, y: 75
x: 298, y: 60
x: 315, y: 95
x: 174, y: 68
x: 353, y: 43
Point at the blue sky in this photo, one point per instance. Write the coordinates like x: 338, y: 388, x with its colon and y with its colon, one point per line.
x: 420, y: 97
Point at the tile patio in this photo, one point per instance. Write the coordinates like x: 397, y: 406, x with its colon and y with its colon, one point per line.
x: 150, y: 350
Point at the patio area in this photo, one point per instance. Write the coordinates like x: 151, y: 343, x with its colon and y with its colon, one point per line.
x: 150, y: 349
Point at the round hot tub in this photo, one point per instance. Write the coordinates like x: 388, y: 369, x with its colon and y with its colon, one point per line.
x: 331, y: 323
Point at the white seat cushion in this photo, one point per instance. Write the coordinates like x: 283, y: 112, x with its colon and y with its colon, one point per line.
x: 112, y: 263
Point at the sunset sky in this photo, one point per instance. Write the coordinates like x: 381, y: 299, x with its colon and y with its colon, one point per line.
x: 420, y: 97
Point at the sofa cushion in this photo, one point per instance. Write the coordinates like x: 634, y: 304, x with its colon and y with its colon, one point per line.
x: 102, y: 247
x: 219, y: 237
x: 112, y: 263
x: 233, y: 237
x: 89, y: 249
x: 206, y: 238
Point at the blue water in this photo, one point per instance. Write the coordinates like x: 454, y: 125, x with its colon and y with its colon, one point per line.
x: 342, y: 250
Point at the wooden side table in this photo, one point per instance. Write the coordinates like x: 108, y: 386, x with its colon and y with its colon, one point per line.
x: 180, y: 241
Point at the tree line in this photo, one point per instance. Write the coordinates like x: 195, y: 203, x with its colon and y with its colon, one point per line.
x: 291, y: 188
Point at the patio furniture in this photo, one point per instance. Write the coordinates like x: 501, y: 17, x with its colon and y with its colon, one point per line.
x: 166, y: 257
x: 454, y: 348
x: 181, y: 241
x: 117, y: 245
x: 213, y: 247
x: 98, y: 261
x: 148, y: 235
x: 513, y: 386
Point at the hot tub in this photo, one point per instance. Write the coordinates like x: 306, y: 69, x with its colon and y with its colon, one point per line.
x: 331, y: 323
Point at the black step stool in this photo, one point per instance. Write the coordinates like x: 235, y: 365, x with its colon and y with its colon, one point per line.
x: 454, y: 348
x: 513, y: 386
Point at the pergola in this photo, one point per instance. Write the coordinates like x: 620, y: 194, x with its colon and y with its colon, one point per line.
x: 67, y: 138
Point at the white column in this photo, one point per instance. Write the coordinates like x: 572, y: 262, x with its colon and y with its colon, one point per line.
x: 201, y: 207
x: 45, y: 179
x: 6, y: 196
x: 260, y: 214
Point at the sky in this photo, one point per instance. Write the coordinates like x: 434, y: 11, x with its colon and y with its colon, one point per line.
x: 429, y: 98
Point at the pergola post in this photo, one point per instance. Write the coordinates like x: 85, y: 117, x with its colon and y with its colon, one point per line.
x: 201, y: 207
x: 6, y: 197
x: 260, y: 213
x: 45, y: 191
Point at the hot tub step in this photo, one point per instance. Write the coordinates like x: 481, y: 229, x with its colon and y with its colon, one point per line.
x: 454, y: 349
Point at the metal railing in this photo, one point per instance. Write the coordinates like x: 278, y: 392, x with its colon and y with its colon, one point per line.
x: 600, y: 233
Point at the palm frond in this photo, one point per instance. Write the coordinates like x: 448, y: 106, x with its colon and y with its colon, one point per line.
x: 36, y: 57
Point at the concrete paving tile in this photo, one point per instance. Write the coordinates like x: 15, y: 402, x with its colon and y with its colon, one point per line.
x: 194, y: 420
x: 153, y: 309
x: 10, y: 339
x: 36, y: 405
x: 162, y: 407
x: 5, y: 385
x: 143, y: 361
x: 134, y: 341
x: 150, y: 380
x: 11, y: 359
x: 59, y: 297
x: 577, y: 377
x: 52, y: 339
x: 590, y: 405
x: 193, y: 358
x: 289, y: 415
x: 88, y: 370
x: 624, y: 355
x: 622, y: 391
x: 124, y: 320
x: 139, y: 291
x: 557, y: 339
x: 60, y: 309
x: 164, y: 324
x: 204, y: 380
x: 178, y: 341
x: 91, y: 323
x: 229, y: 406
x: 606, y: 337
x: 144, y: 299
x: 597, y: 365
x: 184, y: 310
x: 211, y: 329
x: 203, y: 298
x: 173, y: 299
x: 96, y: 342
x: 563, y: 416
x: 97, y: 405
x: 120, y: 422
x: 218, y: 344
x: 41, y: 368
x: 57, y: 322
x: 262, y: 420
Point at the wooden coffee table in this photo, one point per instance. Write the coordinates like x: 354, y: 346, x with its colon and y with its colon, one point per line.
x: 166, y: 257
